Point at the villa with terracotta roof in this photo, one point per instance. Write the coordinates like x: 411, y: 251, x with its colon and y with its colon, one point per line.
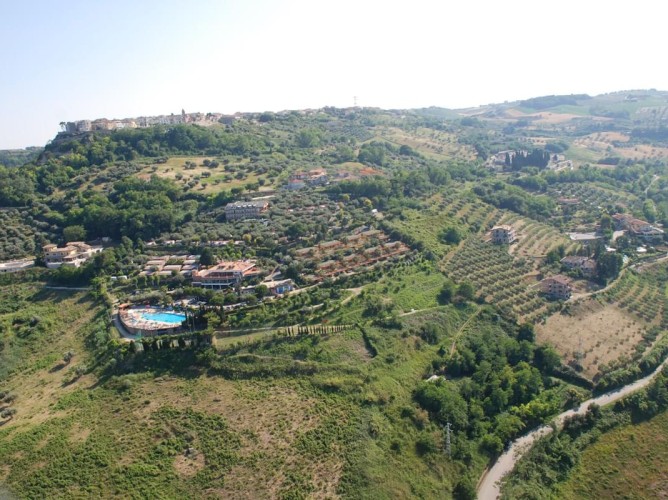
x: 557, y: 287
x: 226, y: 274
x: 637, y: 227
x: 74, y: 254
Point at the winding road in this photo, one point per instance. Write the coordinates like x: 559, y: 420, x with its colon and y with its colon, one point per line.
x: 489, y: 485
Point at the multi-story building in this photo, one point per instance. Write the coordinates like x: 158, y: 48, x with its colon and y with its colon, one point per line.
x: 245, y: 209
x: 503, y: 235
x: 585, y: 264
x: 74, y: 254
x: 226, y: 274
x: 557, y: 287
x: 637, y: 227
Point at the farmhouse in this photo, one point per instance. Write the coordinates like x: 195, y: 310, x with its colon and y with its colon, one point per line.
x: 584, y: 264
x: 74, y: 254
x: 226, y: 274
x: 315, y: 177
x: 503, y: 235
x: 557, y: 287
x: 245, y: 209
x: 637, y: 227
x: 14, y: 266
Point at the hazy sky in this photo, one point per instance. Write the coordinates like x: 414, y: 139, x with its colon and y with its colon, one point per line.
x: 74, y: 59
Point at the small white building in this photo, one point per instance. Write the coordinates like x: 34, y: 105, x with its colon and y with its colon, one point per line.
x: 14, y: 266
x: 557, y: 287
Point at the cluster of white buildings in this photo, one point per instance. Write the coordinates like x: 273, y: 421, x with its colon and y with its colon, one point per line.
x: 80, y: 126
x: 637, y: 227
x: 169, y: 265
x: 315, y: 177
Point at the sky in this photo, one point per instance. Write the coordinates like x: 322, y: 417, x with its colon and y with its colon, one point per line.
x: 88, y: 59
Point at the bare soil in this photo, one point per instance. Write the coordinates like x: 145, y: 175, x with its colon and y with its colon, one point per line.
x: 602, y: 333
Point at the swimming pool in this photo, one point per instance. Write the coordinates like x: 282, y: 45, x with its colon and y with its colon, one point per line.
x: 173, y: 318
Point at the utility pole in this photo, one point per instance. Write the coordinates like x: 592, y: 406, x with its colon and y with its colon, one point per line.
x: 448, y: 448
x: 355, y: 101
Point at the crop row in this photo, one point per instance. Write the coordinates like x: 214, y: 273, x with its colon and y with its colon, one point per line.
x: 641, y: 295
x: 591, y: 195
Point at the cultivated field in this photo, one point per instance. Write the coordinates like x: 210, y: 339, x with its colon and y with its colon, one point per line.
x: 592, y: 334
x: 615, y: 144
x: 613, y: 326
x: 432, y: 143
x: 534, y: 239
x: 427, y: 225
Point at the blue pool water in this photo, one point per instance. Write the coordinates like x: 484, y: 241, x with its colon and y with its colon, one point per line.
x: 165, y: 317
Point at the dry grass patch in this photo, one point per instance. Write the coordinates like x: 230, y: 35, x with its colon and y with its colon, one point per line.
x: 270, y: 420
x: 5, y: 470
x: 189, y: 464
x: 601, y: 333
x: 79, y: 434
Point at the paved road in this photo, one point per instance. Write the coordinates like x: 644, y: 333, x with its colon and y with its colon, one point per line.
x: 488, y: 487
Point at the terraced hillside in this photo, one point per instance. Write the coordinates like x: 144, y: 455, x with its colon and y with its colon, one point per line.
x: 496, y: 276
x: 427, y: 225
x: 535, y: 239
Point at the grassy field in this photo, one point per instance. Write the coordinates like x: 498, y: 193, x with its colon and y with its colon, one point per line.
x: 202, y: 178
x: 165, y: 428
x: 407, y: 287
x: 628, y: 462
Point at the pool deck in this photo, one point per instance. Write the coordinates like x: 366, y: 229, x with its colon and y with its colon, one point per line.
x: 136, y: 326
